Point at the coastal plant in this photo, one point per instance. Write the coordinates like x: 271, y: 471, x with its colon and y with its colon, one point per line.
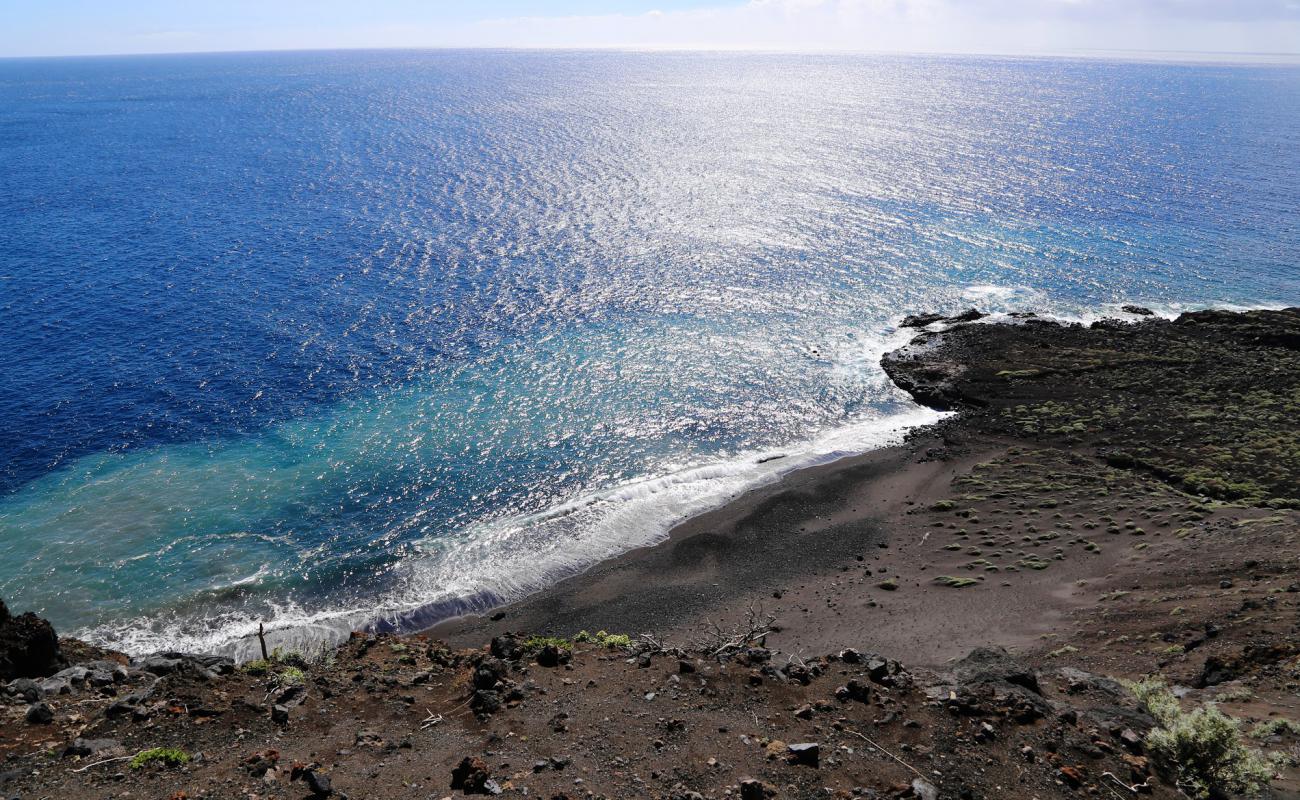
x: 291, y: 676
x: 955, y: 582
x: 162, y: 756
x: 535, y: 643
x: 1201, y: 750
x: 1275, y: 727
x: 1235, y: 694
x: 605, y: 639
x: 276, y: 658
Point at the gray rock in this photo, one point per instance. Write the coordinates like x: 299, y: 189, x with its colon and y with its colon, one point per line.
x: 91, y: 747
x: 806, y: 753
x: 39, y: 714
x: 993, y: 665
x: 55, y: 686
x: 72, y: 674
x: 26, y: 689
x: 923, y: 789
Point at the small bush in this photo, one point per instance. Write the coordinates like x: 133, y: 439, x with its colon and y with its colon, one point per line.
x: 1234, y: 694
x: 1274, y: 727
x: 605, y: 639
x: 955, y: 583
x: 163, y: 756
x: 535, y: 643
x: 1201, y: 750
x: 291, y: 676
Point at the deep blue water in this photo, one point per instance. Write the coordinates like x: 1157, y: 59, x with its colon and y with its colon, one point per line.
x: 321, y: 338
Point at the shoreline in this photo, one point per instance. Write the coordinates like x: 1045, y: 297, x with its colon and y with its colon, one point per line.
x: 1080, y: 516
x: 785, y: 545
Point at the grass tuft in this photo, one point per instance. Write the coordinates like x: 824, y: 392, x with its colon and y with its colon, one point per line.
x: 162, y: 756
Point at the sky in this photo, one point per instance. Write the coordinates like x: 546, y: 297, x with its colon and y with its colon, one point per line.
x: 1229, y: 28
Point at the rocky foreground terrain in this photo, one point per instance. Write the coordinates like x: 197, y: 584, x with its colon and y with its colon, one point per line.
x: 1115, y: 504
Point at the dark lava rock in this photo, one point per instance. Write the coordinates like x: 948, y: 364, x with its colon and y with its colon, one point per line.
x: 754, y: 789
x: 506, y: 646
x: 552, y: 656
x: 1137, y: 310
x: 90, y: 747
x: 39, y: 714
x: 280, y: 714
x: 26, y: 689
x: 993, y: 664
x: 318, y: 783
x: 1079, y: 682
x: 924, y: 320
x: 919, y: 369
x: 991, y: 681
x: 485, y: 701
x: 29, y: 647
x: 805, y: 753
x: 489, y: 673
x: 920, y: 320
x: 471, y: 777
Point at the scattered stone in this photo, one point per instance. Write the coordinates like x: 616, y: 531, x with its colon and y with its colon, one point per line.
x: 39, y: 714
x: 807, y: 754
x: 280, y: 714
x: 924, y: 790
x: 754, y: 789
x: 90, y: 747
x: 318, y: 783
x: 1072, y: 776
x: 471, y: 777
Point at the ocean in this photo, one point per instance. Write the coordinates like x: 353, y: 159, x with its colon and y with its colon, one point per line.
x: 335, y: 340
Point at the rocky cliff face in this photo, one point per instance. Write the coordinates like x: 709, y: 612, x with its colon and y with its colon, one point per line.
x: 29, y: 648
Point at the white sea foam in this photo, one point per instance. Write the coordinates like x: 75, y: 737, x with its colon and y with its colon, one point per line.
x: 496, y: 562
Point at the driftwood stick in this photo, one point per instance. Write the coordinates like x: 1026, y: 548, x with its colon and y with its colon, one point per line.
x: 261, y: 638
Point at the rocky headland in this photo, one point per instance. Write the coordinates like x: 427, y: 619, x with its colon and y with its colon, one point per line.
x: 1083, y: 584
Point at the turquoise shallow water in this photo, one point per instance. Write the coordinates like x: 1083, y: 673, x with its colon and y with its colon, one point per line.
x: 336, y: 339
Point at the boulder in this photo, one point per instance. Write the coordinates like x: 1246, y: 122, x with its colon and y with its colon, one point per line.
x: 471, y: 777
x: 995, y: 665
x: 29, y: 647
x: 805, y: 753
x: 39, y: 714
x: 91, y: 747
x: 920, y: 320
x: 506, y: 646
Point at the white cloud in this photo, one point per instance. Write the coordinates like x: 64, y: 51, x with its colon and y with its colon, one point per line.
x: 979, y: 26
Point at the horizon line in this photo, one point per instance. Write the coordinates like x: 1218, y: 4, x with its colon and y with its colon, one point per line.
x: 1258, y: 58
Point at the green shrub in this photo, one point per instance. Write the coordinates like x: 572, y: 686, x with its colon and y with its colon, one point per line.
x: 955, y: 583
x: 1201, y: 750
x: 605, y: 639
x: 163, y: 756
x: 535, y: 643
x: 1274, y: 727
x: 292, y: 676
